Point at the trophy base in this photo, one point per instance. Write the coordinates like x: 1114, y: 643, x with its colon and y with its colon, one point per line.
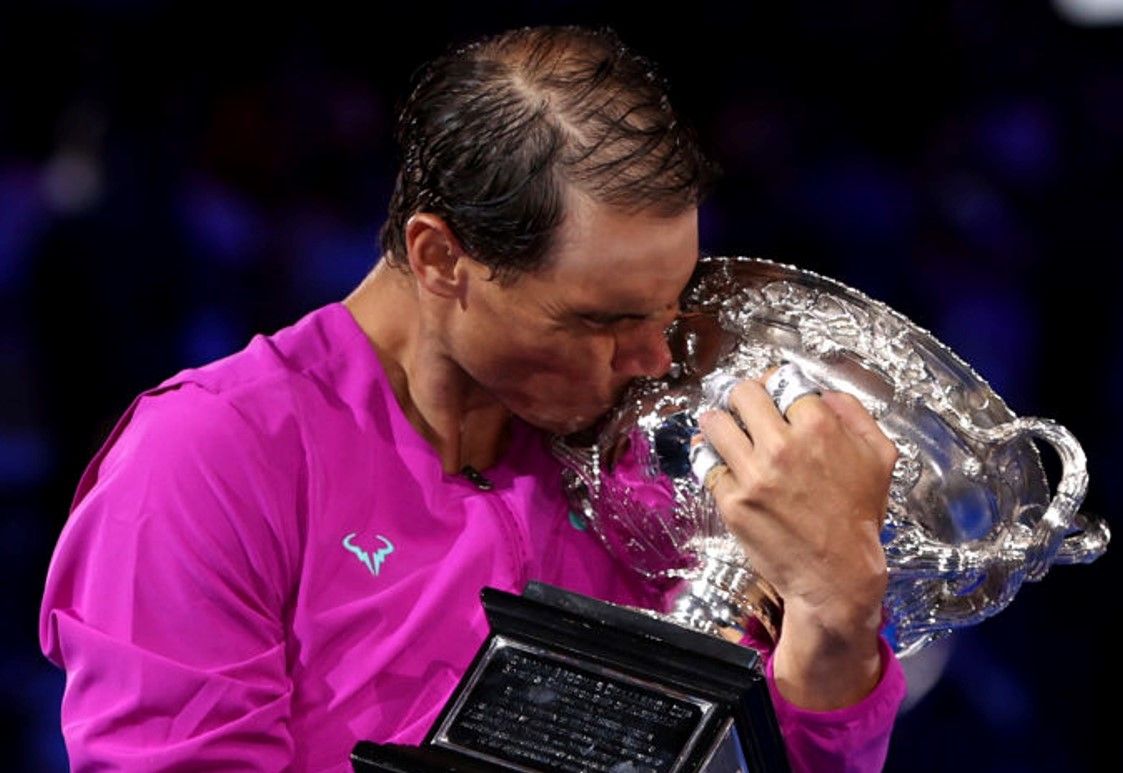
x: 565, y: 682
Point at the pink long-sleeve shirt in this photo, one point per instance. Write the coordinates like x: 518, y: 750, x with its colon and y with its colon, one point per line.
x: 265, y: 563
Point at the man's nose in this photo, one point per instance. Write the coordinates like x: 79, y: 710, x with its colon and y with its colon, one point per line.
x: 643, y: 351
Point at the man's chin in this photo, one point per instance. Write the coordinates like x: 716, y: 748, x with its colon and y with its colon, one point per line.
x: 570, y: 425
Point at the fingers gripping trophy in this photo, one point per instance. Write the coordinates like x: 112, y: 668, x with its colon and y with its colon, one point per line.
x: 970, y: 513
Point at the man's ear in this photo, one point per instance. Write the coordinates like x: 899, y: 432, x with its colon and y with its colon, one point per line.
x: 433, y: 252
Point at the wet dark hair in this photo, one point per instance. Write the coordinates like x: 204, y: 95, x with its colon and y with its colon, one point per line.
x: 494, y: 132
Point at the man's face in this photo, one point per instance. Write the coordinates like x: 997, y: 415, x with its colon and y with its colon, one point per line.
x: 558, y: 346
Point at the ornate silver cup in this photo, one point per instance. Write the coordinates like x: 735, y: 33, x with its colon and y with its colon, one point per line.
x: 970, y: 513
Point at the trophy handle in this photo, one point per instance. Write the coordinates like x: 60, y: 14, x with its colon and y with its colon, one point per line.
x: 1061, y: 535
x: 1027, y: 550
x: 959, y: 585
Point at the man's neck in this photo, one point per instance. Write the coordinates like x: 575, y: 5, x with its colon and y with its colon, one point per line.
x: 464, y: 424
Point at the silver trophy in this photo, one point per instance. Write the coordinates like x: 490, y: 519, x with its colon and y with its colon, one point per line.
x: 970, y: 514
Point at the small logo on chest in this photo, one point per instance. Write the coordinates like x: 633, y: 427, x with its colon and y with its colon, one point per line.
x: 373, y: 562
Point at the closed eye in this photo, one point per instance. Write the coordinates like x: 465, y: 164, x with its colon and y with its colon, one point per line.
x: 611, y: 318
x: 605, y: 320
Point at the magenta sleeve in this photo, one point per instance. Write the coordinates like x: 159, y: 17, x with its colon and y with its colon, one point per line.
x: 852, y: 739
x: 163, y: 598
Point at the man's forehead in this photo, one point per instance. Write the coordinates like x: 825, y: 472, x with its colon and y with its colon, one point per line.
x: 590, y: 228
x: 604, y: 286
x: 598, y: 245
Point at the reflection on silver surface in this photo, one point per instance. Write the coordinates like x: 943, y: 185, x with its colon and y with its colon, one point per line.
x: 970, y: 513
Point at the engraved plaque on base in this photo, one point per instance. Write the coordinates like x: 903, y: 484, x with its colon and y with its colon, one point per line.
x: 565, y: 682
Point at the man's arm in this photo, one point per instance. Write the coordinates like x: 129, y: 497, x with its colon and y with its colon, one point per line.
x: 806, y: 494
x: 164, y: 596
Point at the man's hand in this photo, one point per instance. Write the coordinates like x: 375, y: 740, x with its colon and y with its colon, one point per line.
x: 807, y: 495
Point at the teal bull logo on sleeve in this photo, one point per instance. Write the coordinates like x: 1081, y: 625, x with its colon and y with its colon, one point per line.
x: 371, y: 562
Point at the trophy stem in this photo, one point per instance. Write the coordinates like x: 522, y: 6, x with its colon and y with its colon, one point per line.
x: 721, y: 593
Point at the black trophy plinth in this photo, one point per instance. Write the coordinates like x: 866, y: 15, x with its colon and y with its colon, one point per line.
x: 565, y: 682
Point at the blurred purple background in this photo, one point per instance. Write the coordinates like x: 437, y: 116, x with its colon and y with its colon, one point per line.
x: 177, y: 177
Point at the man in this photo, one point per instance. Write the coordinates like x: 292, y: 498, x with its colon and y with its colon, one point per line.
x: 279, y: 554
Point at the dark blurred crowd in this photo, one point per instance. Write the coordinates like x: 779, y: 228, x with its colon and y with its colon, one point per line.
x: 177, y: 177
